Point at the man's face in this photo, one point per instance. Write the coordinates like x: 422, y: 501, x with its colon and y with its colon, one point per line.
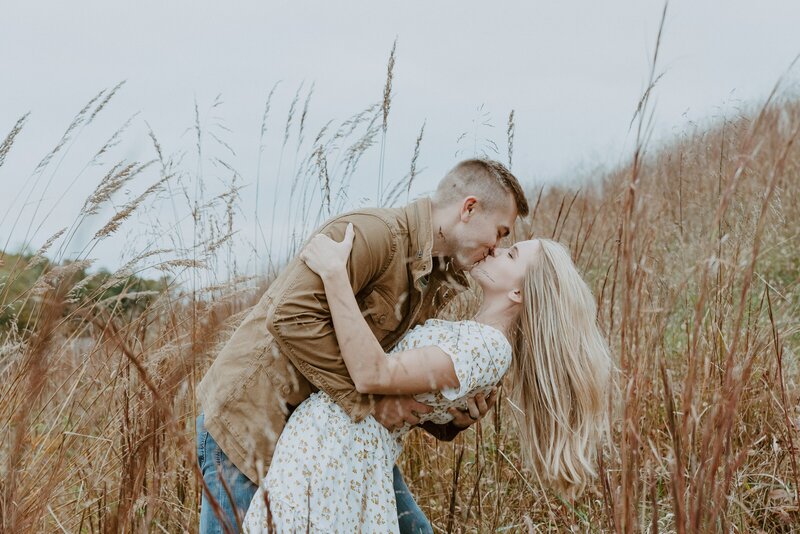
x: 479, y: 231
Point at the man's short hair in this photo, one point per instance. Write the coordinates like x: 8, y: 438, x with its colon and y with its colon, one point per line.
x: 486, y: 179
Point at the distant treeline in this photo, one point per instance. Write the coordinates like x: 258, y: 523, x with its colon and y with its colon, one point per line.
x: 24, y: 280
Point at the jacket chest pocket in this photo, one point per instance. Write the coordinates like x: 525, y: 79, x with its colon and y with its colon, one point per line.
x: 383, y: 315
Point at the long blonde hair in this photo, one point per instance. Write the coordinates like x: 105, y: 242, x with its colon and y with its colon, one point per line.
x: 560, y: 373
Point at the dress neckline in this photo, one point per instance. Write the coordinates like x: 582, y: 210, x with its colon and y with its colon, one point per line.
x: 491, y: 327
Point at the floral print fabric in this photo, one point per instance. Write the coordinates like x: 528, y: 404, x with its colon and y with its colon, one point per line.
x: 329, y: 474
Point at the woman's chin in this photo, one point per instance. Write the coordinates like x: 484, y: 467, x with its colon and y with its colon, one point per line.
x: 479, y: 275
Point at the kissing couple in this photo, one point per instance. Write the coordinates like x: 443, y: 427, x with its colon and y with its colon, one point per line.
x: 306, y: 406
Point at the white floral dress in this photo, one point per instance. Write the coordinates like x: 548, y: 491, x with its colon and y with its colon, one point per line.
x: 329, y: 474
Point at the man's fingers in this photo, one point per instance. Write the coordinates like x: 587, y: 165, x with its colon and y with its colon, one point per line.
x: 411, y: 418
x: 472, y: 407
x: 460, y: 419
x: 419, y: 407
x: 480, y: 400
x: 393, y: 412
x: 394, y: 406
x: 492, y: 397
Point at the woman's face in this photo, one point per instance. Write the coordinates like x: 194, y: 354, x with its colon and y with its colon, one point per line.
x: 504, y: 271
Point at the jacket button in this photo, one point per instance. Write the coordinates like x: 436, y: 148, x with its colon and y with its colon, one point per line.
x: 382, y: 319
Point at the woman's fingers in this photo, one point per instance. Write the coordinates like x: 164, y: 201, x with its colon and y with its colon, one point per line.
x: 322, y: 246
x: 349, y: 234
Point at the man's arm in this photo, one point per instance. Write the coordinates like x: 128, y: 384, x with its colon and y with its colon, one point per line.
x: 301, y: 322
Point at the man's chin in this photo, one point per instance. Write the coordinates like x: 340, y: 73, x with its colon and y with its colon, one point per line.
x: 460, y: 265
x: 466, y: 265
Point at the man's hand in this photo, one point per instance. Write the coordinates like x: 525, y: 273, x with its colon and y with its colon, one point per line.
x: 477, y: 407
x: 393, y: 410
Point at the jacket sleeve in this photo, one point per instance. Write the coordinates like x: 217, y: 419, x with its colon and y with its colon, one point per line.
x: 301, y: 322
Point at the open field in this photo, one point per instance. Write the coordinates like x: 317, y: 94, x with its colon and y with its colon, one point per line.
x: 691, y: 249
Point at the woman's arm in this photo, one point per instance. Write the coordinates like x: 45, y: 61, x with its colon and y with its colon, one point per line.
x: 414, y: 371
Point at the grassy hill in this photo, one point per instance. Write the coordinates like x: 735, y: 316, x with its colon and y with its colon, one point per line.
x: 691, y: 249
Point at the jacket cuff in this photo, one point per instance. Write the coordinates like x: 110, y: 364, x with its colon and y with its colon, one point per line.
x: 446, y: 432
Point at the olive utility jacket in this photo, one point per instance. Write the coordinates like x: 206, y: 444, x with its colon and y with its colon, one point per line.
x: 286, y: 347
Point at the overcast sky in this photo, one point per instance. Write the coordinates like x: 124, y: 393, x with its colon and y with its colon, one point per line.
x: 572, y: 71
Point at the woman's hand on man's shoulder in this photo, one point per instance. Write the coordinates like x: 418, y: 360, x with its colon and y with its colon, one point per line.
x: 327, y: 257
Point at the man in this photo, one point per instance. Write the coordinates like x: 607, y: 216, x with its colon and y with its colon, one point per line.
x: 408, y: 263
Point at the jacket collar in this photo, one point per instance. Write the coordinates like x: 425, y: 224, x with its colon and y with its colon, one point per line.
x: 420, y: 244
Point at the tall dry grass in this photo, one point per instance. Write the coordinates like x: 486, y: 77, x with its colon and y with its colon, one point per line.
x: 691, y: 249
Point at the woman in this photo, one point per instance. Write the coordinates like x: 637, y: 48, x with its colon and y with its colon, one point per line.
x: 329, y: 474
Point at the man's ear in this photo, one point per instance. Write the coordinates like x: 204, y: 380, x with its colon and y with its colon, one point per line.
x: 515, y: 295
x: 468, y: 208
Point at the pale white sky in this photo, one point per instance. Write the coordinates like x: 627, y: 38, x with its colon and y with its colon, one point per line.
x: 572, y: 71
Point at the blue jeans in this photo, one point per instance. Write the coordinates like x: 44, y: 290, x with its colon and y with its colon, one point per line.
x: 215, y: 466
x: 410, y: 517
